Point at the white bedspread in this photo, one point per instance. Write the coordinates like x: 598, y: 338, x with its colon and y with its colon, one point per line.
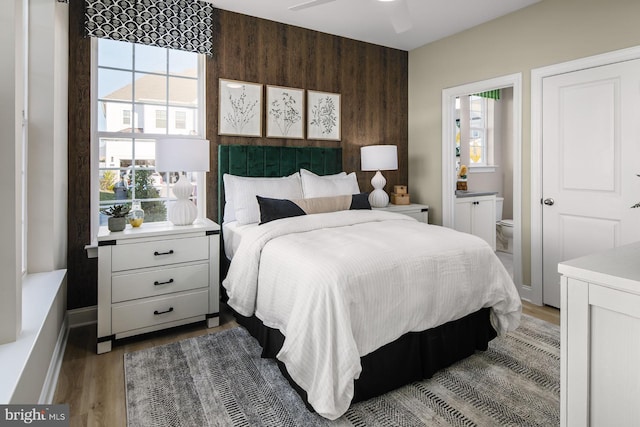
x: 340, y: 285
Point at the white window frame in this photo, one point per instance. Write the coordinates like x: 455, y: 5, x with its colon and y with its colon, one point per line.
x: 481, y: 127
x: 96, y: 135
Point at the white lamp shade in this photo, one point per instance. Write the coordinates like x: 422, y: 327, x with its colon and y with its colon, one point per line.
x: 177, y: 155
x: 379, y: 158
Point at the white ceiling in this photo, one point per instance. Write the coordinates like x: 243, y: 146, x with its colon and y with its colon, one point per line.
x: 417, y: 22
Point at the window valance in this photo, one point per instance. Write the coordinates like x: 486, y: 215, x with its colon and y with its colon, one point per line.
x: 177, y: 24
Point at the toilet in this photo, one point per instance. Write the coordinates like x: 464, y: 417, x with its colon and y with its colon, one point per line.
x: 504, y: 229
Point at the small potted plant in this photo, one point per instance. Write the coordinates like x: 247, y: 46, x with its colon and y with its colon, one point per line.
x: 117, y: 217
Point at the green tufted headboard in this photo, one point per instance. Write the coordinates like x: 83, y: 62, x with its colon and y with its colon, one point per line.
x: 249, y: 160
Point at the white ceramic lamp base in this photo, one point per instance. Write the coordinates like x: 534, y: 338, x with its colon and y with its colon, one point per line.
x: 378, y: 198
x: 182, y: 211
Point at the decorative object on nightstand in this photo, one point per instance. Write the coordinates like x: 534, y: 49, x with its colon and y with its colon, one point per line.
x: 182, y: 155
x: 136, y: 214
x: 117, y: 217
x: 378, y: 158
x: 400, y: 195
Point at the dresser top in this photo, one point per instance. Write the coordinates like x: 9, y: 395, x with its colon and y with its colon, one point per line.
x: 150, y: 229
x: 617, y: 268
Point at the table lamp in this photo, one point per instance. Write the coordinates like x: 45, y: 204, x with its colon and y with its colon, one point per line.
x: 379, y: 158
x: 182, y: 155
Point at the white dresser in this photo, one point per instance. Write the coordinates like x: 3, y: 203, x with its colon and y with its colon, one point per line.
x: 156, y: 276
x: 600, y: 339
x: 414, y: 210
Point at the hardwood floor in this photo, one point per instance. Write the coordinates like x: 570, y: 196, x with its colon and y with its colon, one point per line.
x: 546, y: 313
x: 93, y: 385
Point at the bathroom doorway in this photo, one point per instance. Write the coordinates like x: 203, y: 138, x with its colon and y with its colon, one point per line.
x: 500, y: 170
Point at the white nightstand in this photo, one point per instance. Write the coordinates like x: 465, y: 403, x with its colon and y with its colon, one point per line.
x: 414, y: 210
x: 156, y: 276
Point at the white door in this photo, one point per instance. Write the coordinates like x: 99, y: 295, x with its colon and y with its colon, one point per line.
x: 591, y: 155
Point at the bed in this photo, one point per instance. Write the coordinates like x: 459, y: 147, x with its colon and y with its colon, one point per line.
x: 352, y: 302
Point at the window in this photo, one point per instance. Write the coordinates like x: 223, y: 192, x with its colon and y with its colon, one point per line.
x: 126, y: 117
x: 161, y: 119
x: 137, y: 88
x: 181, y: 120
x: 477, y: 131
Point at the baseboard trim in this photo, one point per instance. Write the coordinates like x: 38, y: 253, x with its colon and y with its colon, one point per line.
x: 83, y: 316
x: 51, y: 380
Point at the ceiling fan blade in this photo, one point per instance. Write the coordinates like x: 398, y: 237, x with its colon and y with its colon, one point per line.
x: 401, y: 18
x: 308, y: 4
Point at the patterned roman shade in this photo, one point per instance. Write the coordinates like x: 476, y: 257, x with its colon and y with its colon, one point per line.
x: 176, y: 24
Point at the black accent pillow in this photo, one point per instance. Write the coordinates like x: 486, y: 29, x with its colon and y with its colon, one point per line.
x: 360, y: 201
x: 272, y: 209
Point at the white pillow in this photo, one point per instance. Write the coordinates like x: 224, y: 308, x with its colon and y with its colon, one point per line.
x: 321, y: 186
x: 240, y: 195
x: 304, y: 172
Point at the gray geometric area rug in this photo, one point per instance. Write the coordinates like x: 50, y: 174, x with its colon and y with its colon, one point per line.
x: 220, y: 379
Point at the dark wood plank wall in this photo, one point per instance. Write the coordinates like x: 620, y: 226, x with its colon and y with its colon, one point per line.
x: 372, y: 81
x: 82, y: 272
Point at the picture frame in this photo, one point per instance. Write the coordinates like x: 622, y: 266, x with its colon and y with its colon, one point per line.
x: 239, y: 108
x: 285, y: 112
x: 323, y: 116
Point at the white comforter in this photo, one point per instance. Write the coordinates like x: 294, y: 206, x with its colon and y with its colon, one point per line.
x: 340, y: 285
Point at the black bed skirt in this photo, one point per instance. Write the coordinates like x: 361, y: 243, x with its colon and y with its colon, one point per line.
x: 412, y: 357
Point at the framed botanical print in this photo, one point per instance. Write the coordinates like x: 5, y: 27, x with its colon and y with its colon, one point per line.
x: 240, y: 108
x: 323, y: 115
x: 285, y: 112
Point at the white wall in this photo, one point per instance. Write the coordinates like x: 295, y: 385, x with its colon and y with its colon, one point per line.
x: 12, y: 96
x: 47, y: 185
x: 548, y: 32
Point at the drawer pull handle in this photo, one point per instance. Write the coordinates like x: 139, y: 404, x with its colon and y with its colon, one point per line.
x: 156, y: 283
x: 156, y: 253
x: 163, y: 312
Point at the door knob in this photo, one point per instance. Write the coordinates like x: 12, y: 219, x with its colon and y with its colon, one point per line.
x: 549, y: 202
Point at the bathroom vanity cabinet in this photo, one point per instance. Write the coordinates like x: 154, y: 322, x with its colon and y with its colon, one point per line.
x: 477, y: 215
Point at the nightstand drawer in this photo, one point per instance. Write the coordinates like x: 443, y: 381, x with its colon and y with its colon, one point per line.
x: 155, y: 311
x: 161, y: 252
x: 159, y: 282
